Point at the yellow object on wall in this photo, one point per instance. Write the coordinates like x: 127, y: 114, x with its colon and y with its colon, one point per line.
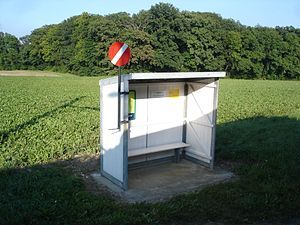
x: 174, y: 93
x: 131, y: 104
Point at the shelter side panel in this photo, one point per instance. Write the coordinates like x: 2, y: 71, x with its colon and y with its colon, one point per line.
x: 111, y: 136
x: 200, y: 119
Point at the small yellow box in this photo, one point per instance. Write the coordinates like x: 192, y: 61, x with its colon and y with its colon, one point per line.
x: 174, y: 93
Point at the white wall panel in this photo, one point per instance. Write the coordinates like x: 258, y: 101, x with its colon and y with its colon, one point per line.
x: 200, y: 119
x: 165, y: 113
x: 164, y: 133
x: 199, y: 137
x: 138, y: 127
x: 159, y: 115
x: 111, y: 137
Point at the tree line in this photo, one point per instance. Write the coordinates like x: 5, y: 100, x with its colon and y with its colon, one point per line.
x: 161, y: 39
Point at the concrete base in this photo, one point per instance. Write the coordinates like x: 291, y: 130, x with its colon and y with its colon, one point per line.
x: 161, y: 182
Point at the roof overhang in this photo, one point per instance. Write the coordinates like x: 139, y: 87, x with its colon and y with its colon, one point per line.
x: 164, y: 76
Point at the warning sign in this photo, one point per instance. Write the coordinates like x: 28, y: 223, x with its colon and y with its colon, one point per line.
x: 119, y: 53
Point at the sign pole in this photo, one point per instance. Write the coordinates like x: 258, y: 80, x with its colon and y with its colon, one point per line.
x: 119, y: 98
x: 119, y: 55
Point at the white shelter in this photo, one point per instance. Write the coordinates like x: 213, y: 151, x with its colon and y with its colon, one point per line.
x: 164, y: 116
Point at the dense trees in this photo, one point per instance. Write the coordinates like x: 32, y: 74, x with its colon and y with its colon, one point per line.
x: 161, y: 39
x: 9, y: 51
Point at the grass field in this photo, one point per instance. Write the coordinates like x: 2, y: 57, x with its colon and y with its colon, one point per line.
x: 50, y: 118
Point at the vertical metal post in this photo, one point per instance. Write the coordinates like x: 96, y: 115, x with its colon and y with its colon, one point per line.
x: 184, y: 128
x: 186, y: 90
x: 125, y: 136
x: 119, y: 98
x: 214, y: 122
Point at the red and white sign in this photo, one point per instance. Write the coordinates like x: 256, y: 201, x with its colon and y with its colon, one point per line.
x: 119, y: 53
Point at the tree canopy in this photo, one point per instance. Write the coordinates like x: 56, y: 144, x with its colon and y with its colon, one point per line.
x: 161, y: 39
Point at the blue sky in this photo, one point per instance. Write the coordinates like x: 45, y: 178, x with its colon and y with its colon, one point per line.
x: 20, y: 17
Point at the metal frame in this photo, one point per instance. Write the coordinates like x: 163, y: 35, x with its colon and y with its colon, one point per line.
x: 101, y: 132
x: 214, y: 119
x: 184, y: 129
x: 185, y: 93
x: 112, y: 179
x: 125, y: 135
x: 119, y: 99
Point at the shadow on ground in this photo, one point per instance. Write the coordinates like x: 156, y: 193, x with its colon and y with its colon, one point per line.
x: 264, y: 152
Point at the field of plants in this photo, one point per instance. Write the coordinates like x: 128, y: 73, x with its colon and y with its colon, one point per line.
x: 50, y: 118
x: 46, y: 118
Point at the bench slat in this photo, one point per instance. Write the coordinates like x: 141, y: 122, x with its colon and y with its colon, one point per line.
x: 159, y: 148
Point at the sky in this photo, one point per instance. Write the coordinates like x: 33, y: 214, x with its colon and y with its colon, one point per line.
x: 20, y: 17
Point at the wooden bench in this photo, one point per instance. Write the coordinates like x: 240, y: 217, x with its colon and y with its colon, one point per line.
x: 160, y: 148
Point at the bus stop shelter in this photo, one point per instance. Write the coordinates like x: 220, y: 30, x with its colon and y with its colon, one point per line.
x: 163, y: 117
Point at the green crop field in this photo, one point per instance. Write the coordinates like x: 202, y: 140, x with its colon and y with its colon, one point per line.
x: 44, y: 119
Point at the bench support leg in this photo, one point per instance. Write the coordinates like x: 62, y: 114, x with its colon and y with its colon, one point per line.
x: 177, y: 155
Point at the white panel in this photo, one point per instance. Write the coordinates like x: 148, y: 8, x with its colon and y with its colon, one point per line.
x: 165, y: 113
x: 109, y: 107
x: 200, y: 103
x: 200, y: 120
x: 159, y: 116
x: 165, y: 133
x: 138, y: 127
x: 197, y: 156
x: 200, y: 136
x: 137, y: 137
x: 164, y: 105
x: 113, y: 154
x: 111, y: 137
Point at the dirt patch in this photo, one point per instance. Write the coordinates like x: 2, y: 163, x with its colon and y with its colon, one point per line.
x: 25, y: 73
x: 83, y: 166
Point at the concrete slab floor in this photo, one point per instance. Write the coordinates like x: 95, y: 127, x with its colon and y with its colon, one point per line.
x: 161, y: 182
